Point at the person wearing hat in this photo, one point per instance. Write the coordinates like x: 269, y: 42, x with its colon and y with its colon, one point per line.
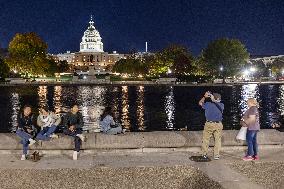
x: 213, y: 107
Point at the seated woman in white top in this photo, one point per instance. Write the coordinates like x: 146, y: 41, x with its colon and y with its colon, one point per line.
x: 48, y: 121
x: 107, y: 123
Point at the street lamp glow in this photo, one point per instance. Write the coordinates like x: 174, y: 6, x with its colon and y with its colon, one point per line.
x: 221, y: 68
x: 246, y: 72
x: 169, y: 71
x: 252, y: 69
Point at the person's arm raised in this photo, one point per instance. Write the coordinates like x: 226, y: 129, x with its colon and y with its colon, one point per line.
x: 202, y: 100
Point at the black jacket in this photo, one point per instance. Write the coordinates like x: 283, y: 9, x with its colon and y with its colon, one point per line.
x: 26, y: 122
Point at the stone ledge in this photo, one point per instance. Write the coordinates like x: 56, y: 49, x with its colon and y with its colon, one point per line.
x: 141, y: 140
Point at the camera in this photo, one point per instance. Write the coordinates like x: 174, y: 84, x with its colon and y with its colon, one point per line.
x: 209, y: 94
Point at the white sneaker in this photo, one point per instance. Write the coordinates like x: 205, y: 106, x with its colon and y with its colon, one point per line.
x: 23, y: 157
x: 54, y: 136
x: 32, y: 141
x: 123, y: 131
x: 75, y: 155
x: 217, y: 157
x: 82, y: 137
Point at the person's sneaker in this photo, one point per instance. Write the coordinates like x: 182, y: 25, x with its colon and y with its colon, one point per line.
x: 32, y: 141
x: 216, y: 157
x: 75, y: 155
x: 256, y: 157
x: 123, y: 131
x: 54, y: 136
x: 23, y: 157
x: 248, y: 158
x: 275, y: 125
x: 82, y: 137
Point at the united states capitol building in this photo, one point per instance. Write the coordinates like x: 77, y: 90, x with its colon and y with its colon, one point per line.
x: 91, y: 52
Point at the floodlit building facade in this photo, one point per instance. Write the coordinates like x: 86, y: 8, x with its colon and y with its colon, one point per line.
x: 91, y: 52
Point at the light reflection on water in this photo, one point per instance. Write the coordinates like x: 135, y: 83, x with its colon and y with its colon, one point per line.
x: 248, y: 91
x: 125, y: 106
x: 91, y: 101
x: 268, y: 99
x: 281, y: 100
x: 15, y: 110
x: 115, y: 105
x: 42, y: 93
x: 143, y: 108
x: 170, y: 108
x: 57, y: 104
x: 140, y: 108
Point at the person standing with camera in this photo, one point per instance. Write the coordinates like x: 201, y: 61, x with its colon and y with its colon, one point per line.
x: 213, y: 107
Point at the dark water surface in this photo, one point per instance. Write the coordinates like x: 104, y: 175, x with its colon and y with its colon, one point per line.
x: 143, y: 108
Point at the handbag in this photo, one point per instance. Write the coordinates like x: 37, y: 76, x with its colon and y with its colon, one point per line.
x: 243, y: 123
x: 242, y: 133
x: 35, y: 156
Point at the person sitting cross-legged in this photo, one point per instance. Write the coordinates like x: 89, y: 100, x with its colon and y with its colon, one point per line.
x: 26, y: 129
x: 108, y: 125
x: 48, y: 121
x: 73, y: 123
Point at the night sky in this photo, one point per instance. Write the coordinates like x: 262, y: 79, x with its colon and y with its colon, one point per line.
x: 125, y: 25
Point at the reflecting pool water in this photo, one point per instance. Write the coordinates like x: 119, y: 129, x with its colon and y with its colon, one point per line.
x: 143, y: 108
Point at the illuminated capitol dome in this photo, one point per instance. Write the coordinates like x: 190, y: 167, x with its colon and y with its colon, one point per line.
x: 91, y: 52
x: 91, y: 40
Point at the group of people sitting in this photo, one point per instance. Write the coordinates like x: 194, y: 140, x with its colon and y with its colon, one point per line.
x: 31, y: 130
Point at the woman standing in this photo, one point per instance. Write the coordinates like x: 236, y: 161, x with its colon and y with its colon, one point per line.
x: 251, y: 120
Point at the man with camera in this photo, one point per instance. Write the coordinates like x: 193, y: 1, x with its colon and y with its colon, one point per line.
x: 213, y: 107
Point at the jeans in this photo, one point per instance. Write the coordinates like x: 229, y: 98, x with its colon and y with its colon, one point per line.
x: 45, y: 133
x: 114, y: 131
x: 77, y: 140
x: 252, y: 143
x: 25, y: 140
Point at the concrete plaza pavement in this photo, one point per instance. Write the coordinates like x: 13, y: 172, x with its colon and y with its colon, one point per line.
x: 227, y: 171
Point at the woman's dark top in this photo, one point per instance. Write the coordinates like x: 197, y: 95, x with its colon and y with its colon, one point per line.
x: 26, y: 122
x: 73, y: 119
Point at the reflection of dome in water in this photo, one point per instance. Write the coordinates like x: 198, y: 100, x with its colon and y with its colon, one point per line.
x: 91, y: 40
x: 91, y: 100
